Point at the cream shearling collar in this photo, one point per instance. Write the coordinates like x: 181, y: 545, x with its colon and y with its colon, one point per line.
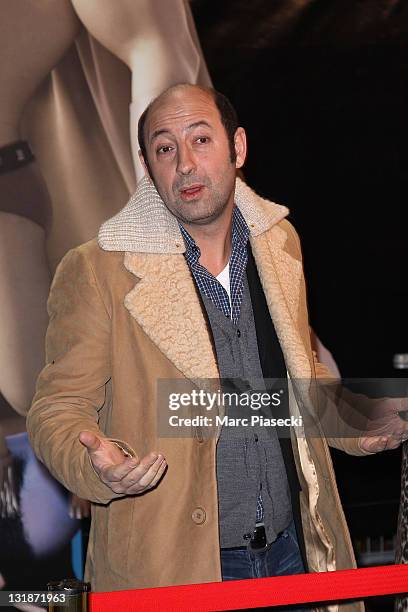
x: 145, y: 225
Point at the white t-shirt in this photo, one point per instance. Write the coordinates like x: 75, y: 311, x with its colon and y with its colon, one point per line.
x: 224, y: 279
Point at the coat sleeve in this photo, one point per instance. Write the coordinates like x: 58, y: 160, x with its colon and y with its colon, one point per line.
x: 341, y: 415
x: 72, y: 387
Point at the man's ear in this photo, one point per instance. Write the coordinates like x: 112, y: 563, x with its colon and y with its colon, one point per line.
x: 145, y: 167
x: 240, y: 144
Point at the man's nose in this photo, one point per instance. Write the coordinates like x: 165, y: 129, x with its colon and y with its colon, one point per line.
x: 185, y: 161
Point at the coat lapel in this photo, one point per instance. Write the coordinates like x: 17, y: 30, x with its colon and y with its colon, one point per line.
x: 164, y: 300
x: 281, y: 276
x: 166, y: 305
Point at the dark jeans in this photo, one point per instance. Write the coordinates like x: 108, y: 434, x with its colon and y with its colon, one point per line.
x: 281, y: 558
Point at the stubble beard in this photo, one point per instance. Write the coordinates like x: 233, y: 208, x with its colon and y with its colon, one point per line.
x: 205, y: 210
x: 200, y: 212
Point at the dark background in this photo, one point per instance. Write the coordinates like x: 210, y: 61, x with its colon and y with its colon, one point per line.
x: 321, y: 88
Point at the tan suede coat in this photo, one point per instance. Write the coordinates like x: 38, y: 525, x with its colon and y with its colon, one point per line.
x: 125, y: 313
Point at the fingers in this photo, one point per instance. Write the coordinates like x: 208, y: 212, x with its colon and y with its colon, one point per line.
x: 377, y: 444
x: 159, y: 474
x: 79, y: 508
x: 113, y: 473
x: 151, y: 477
x: 122, y: 474
x: 388, y: 422
x: 373, y: 444
x: 142, y: 477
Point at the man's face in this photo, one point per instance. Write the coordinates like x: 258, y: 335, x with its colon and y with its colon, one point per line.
x: 189, y: 156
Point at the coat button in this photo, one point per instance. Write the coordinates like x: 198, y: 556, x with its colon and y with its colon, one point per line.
x: 199, y: 516
x: 238, y: 333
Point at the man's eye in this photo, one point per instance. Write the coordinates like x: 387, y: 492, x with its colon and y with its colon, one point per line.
x: 164, y: 149
x: 202, y: 139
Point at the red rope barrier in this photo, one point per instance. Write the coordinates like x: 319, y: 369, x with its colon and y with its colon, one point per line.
x: 240, y: 594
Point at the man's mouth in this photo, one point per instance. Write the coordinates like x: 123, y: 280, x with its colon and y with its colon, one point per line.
x: 191, y: 192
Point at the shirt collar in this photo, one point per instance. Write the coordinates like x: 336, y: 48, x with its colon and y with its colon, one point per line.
x: 240, y: 229
x: 240, y: 235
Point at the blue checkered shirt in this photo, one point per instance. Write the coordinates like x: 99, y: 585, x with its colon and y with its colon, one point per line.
x: 207, y: 283
x: 212, y: 288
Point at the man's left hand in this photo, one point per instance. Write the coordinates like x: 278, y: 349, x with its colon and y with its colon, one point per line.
x: 387, y: 425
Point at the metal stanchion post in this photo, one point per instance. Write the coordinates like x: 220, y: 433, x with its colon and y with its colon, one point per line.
x: 401, y: 603
x: 73, y: 596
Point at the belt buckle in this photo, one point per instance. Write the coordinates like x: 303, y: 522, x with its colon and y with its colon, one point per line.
x: 258, y: 542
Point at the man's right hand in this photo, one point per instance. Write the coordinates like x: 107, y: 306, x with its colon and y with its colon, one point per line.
x: 124, y: 475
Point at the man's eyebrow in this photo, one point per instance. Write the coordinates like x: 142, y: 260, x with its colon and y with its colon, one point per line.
x: 158, y: 133
x: 198, y: 124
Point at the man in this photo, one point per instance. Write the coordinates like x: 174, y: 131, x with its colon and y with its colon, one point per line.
x: 144, y: 304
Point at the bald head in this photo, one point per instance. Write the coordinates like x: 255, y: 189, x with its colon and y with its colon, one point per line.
x: 175, y: 94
